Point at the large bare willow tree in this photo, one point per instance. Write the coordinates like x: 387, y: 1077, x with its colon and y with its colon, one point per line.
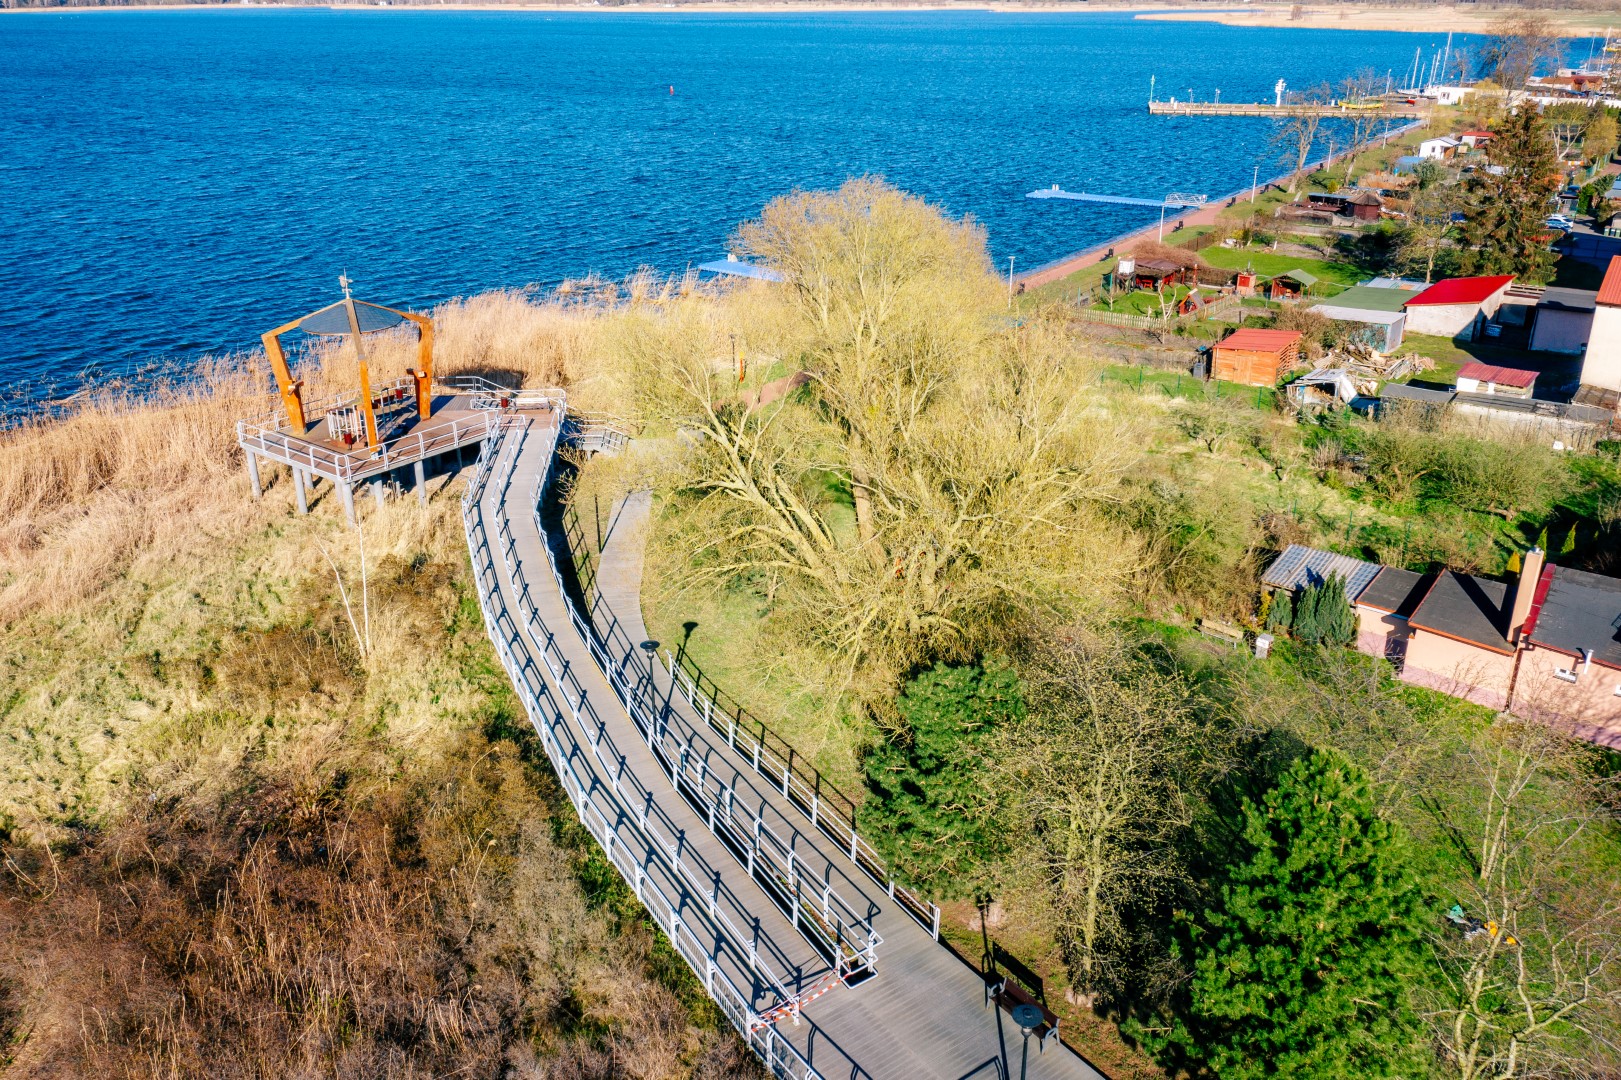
x: 934, y: 487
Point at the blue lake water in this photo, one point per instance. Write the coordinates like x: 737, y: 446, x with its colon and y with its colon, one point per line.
x: 178, y: 182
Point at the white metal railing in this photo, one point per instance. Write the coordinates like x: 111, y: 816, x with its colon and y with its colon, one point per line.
x: 273, y: 439
x: 346, y: 467
x: 844, y: 934
x: 802, y: 793
x: 595, y: 733
x: 782, y: 1059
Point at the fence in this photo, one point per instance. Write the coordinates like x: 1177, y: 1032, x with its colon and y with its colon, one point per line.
x: 1225, y: 308
x: 846, y: 937
x: 781, y: 1058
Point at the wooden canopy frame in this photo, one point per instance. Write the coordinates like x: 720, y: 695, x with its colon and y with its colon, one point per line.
x: 292, y: 396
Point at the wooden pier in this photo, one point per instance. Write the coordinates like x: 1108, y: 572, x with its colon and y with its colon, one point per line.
x: 1389, y: 110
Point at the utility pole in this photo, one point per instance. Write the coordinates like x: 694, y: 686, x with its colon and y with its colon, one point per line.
x: 1162, y: 223
x: 1010, y: 282
x: 1255, y: 182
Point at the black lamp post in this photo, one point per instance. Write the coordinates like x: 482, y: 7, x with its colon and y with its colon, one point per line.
x: 1028, y: 1017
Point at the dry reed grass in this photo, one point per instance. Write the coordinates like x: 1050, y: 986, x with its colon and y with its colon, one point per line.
x: 236, y: 843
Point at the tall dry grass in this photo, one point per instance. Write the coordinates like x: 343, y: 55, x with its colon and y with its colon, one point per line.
x: 235, y: 843
x: 152, y: 470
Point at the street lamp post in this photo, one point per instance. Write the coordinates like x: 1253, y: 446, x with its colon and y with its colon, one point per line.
x: 1028, y: 1017
x: 1010, y: 282
x: 1255, y: 182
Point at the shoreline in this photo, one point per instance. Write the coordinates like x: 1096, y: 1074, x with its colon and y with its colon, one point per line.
x: 1281, y: 16
x: 1208, y: 214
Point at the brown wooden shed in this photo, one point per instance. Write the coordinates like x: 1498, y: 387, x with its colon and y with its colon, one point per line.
x: 1255, y: 357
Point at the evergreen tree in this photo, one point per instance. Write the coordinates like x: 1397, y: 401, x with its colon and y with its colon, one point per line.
x: 1305, y: 625
x: 927, y: 813
x: 1336, y: 621
x: 1281, y: 613
x: 1302, y: 967
x: 1503, y: 226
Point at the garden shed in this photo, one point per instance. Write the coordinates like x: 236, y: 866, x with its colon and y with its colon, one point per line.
x: 1564, y: 320
x: 1255, y: 357
x: 1478, y: 378
x: 1376, y: 314
x: 1292, y: 284
x: 1457, y: 307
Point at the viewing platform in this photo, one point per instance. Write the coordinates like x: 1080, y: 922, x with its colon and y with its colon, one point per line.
x: 332, y: 445
x: 1388, y: 109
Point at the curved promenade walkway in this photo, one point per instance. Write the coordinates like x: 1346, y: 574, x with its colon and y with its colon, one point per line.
x: 821, y: 969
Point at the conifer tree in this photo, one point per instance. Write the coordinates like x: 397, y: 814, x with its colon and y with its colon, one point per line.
x: 927, y: 811
x: 1281, y: 613
x: 1302, y: 967
x: 1503, y: 226
x: 1305, y: 625
x: 1336, y: 622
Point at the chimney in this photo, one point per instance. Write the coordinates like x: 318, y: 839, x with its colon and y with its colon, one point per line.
x: 1524, y: 590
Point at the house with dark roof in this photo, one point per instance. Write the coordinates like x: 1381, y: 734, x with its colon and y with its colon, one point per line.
x: 1545, y: 646
x: 1459, y: 639
x: 1570, y: 655
x: 1383, y: 610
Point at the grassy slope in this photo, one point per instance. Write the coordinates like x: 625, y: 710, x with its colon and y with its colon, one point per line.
x: 241, y: 844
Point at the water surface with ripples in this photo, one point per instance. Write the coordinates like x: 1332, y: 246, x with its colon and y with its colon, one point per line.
x: 178, y: 182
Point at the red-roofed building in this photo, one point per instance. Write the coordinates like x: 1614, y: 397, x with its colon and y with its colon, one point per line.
x: 1601, y: 364
x: 1255, y: 357
x: 1491, y: 379
x: 1457, y: 307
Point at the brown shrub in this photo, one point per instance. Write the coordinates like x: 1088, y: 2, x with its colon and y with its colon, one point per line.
x: 296, y: 930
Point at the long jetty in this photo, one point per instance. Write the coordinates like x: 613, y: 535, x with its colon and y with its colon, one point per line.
x: 1388, y: 110
x: 821, y: 961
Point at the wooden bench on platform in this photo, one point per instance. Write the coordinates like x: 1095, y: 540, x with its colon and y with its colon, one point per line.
x: 1007, y: 991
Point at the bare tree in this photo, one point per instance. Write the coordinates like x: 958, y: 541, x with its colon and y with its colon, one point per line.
x: 1429, y: 230
x: 1297, y: 135
x: 1518, y: 47
x: 1098, y: 780
x: 1531, y: 957
x: 977, y: 475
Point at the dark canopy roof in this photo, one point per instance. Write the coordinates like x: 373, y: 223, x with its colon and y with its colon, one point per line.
x: 1581, y: 611
x: 334, y: 319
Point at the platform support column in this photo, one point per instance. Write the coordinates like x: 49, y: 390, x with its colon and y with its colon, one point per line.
x: 299, y: 496
x: 348, y: 491
x: 253, y: 473
x: 377, y: 491
x: 422, y: 483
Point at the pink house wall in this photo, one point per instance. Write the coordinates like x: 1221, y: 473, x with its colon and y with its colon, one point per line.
x: 1458, y: 668
x: 1589, y: 708
x: 1381, y: 634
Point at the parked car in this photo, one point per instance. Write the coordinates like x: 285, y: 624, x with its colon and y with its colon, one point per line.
x: 1560, y: 221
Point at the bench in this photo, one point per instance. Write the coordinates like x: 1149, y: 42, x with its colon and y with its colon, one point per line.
x: 1221, y: 631
x: 1004, y: 991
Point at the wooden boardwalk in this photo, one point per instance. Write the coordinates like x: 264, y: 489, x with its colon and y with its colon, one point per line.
x: 819, y: 968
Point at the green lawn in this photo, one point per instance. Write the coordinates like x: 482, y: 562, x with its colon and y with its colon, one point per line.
x: 1269, y: 265
x: 1450, y: 355
x: 1179, y: 384
x: 1142, y: 302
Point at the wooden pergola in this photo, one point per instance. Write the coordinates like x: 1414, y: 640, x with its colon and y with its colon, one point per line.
x: 353, y: 319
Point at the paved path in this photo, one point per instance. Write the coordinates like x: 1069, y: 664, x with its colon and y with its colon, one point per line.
x: 624, y: 741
